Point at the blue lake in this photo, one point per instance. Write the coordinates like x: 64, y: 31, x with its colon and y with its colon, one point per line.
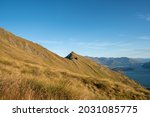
x: 140, y: 75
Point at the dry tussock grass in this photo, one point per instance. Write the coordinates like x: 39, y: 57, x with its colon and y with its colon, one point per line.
x: 32, y: 82
x: 29, y: 71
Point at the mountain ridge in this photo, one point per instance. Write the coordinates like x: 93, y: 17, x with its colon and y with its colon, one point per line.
x: 146, y: 65
x: 30, y: 71
x: 113, y: 62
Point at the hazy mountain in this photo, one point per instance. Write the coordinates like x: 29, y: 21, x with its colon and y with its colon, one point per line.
x: 146, y: 65
x: 29, y: 71
x: 142, y: 60
x: 120, y: 62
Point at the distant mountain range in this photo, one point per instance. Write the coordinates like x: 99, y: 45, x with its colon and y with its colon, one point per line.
x: 135, y: 68
x: 30, y: 71
x: 120, y: 62
x: 146, y: 65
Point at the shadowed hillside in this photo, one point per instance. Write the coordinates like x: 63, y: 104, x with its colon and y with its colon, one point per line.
x: 29, y: 71
x: 146, y: 65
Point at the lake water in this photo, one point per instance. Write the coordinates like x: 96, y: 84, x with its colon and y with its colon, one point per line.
x: 140, y: 75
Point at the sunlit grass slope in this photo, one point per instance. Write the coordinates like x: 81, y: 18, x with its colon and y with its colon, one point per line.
x: 29, y: 71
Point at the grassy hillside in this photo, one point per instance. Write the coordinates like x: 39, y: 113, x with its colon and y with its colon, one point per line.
x: 29, y: 71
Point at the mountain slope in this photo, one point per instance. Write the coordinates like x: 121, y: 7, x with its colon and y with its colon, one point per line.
x: 146, y: 65
x: 117, y: 62
x: 29, y: 71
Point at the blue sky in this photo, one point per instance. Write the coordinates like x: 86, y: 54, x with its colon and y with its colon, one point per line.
x: 108, y: 28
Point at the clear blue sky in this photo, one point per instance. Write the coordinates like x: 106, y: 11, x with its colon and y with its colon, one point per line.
x: 110, y: 28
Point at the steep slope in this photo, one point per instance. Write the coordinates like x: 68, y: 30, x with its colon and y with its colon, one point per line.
x: 29, y: 71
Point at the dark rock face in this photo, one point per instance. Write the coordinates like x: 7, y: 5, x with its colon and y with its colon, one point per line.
x: 72, y: 56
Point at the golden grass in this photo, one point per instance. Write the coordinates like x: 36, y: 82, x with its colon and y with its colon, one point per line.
x: 34, y: 82
x: 29, y: 71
